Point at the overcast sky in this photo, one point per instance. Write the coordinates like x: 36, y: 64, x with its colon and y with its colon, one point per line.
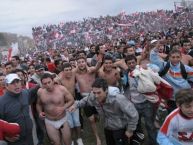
x: 19, y: 16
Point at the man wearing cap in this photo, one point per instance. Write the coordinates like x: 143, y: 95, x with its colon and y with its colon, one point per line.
x: 39, y: 72
x: 14, y: 107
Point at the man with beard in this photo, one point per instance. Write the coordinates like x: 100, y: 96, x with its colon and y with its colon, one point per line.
x: 85, y: 76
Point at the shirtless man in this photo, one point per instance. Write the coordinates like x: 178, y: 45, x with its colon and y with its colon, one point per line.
x: 52, y: 102
x: 109, y: 72
x: 67, y: 79
x: 85, y: 76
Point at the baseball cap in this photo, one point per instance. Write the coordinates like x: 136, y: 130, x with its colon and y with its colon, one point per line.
x: 131, y: 43
x: 39, y: 67
x: 11, y: 77
x: 153, y: 41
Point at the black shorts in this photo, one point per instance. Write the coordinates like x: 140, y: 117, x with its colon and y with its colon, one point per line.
x: 89, y: 111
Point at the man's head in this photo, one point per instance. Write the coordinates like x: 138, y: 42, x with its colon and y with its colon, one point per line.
x: 13, y: 83
x: 176, y: 46
x: 81, y: 53
x: 184, y: 100
x: 175, y: 56
x: 108, y: 63
x: 39, y: 70
x: 131, y: 62
x: 129, y: 50
x: 15, y: 60
x: 22, y: 75
x: 72, y: 62
x: 121, y: 47
x: 67, y: 70
x: 2, y: 80
x: 92, y: 48
x: 100, y: 49
x: 100, y: 89
x: 169, y: 39
x: 31, y: 69
x: 8, y: 67
x: 81, y: 63
x: 186, y: 45
x: 47, y: 82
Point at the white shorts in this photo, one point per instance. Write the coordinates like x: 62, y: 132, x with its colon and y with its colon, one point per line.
x: 56, y: 124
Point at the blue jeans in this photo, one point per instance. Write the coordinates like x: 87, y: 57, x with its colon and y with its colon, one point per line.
x: 145, y: 110
x: 73, y: 119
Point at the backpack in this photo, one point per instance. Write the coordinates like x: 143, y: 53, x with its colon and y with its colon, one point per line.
x: 167, y: 67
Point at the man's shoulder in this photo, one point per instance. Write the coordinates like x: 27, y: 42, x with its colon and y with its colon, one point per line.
x: 2, y: 99
x: 59, y: 87
x: 116, y: 97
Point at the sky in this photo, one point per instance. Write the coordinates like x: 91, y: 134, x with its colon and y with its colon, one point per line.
x: 19, y: 16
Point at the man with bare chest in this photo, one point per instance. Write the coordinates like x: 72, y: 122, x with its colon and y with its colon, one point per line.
x: 67, y: 79
x: 52, y: 102
x: 109, y: 73
x: 85, y: 76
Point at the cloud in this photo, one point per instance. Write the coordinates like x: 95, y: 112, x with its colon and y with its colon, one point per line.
x: 19, y: 16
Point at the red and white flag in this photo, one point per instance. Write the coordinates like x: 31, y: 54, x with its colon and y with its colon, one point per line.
x: 13, y: 51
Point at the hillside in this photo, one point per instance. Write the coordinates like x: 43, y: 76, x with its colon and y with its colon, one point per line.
x: 24, y: 43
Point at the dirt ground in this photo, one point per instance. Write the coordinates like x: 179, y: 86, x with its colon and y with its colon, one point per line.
x: 87, y: 135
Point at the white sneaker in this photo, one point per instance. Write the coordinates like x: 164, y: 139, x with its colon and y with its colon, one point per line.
x: 72, y: 143
x: 79, y: 141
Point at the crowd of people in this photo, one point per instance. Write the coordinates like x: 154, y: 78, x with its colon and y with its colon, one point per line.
x: 136, y: 67
x: 98, y: 30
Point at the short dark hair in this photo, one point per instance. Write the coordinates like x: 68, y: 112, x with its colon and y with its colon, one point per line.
x: 66, y: 65
x: 100, y: 83
x: 72, y: 59
x: 176, y: 43
x: 48, y: 59
x: 80, y: 57
x: 81, y: 51
x: 122, y: 42
x: 184, y: 96
x: 175, y: 51
x: 46, y: 75
x: 16, y: 57
x: 18, y: 70
x: 8, y: 63
x: 186, y: 41
x: 31, y: 65
x: 97, y: 48
x: 2, y: 74
x: 130, y: 57
x: 92, y: 45
x: 108, y: 57
x: 57, y: 61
